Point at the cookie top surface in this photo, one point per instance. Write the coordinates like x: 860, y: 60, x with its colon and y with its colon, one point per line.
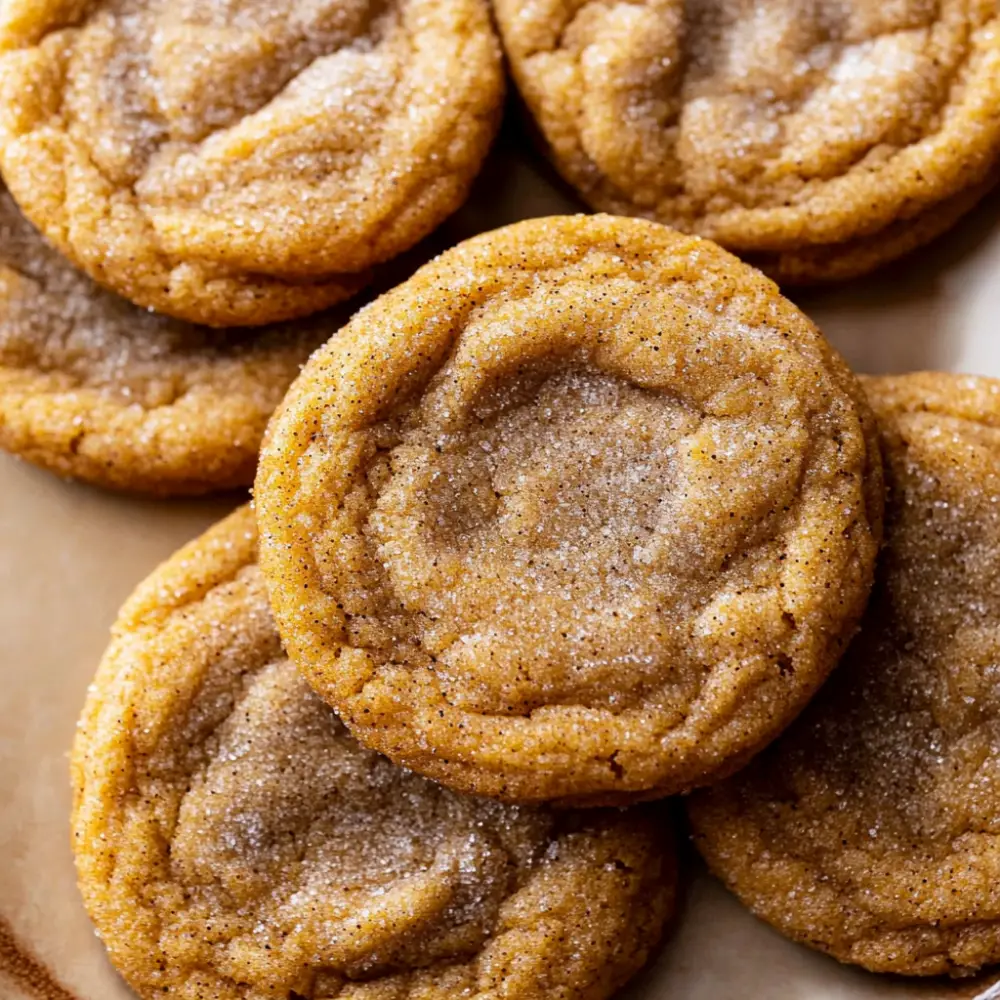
x: 94, y: 387
x: 233, y: 841
x: 870, y: 829
x: 584, y: 511
x: 768, y: 127
x: 235, y: 163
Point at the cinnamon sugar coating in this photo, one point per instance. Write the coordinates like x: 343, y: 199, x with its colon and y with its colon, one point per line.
x: 95, y: 388
x: 584, y: 511
x: 870, y: 830
x: 239, y: 162
x: 233, y: 842
x: 815, y: 138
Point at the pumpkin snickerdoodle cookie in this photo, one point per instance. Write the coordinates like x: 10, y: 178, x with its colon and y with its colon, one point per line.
x: 93, y: 387
x: 234, y: 843
x: 869, y: 830
x: 238, y: 163
x: 815, y: 140
x: 584, y: 511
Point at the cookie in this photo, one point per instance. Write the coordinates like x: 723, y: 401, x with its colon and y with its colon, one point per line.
x: 232, y: 841
x: 242, y: 163
x: 817, y: 141
x: 583, y: 511
x: 95, y: 388
x: 869, y: 831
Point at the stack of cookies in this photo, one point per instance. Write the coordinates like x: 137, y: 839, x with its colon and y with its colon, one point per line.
x: 193, y: 165
x: 582, y: 515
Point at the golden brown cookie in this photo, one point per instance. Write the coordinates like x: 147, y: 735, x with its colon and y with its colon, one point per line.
x: 817, y: 140
x: 870, y: 830
x: 584, y: 510
x: 238, y: 163
x: 96, y: 388
x: 233, y: 842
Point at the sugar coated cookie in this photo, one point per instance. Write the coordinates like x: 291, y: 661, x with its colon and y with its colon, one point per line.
x: 232, y: 162
x: 584, y: 510
x: 95, y: 388
x: 870, y: 829
x: 234, y: 843
x: 816, y: 140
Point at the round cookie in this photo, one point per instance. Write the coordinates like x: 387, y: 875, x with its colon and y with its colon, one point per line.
x: 816, y: 140
x: 239, y: 163
x: 233, y: 842
x: 583, y: 511
x: 96, y: 388
x: 869, y: 830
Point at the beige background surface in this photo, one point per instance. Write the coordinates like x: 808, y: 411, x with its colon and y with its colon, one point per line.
x: 69, y: 555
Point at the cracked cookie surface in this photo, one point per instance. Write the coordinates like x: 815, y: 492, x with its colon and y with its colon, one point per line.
x: 96, y: 388
x: 236, y: 162
x: 815, y: 139
x: 584, y: 510
x: 869, y: 830
x: 233, y: 841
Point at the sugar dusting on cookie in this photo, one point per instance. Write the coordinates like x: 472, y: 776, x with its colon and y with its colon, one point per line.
x: 230, y: 835
x: 95, y: 387
x: 870, y: 830
x: 583, y: 510
x: 818, y: 138
x: 238, y: 163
